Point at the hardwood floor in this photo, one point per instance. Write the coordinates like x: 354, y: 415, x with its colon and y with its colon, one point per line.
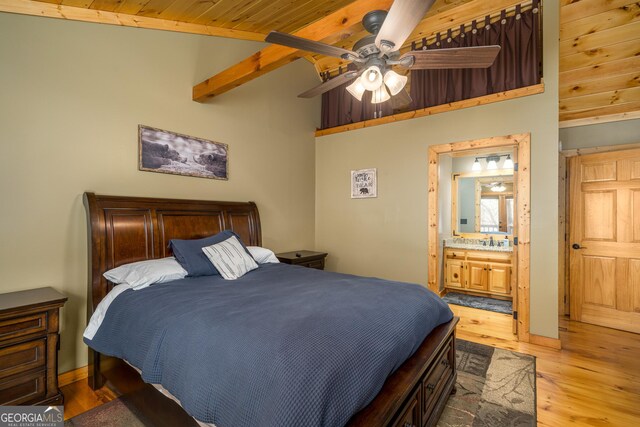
x: 593, y: 381
x: 79, y: 398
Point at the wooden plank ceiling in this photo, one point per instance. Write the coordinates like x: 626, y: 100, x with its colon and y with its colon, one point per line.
x: 599, y: 40
x: 256, y: 16
x: 599, y: 61
x: 343, y: 28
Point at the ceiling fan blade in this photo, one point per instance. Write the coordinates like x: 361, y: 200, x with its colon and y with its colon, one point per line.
x: 402, y: 19
x: 401, y: 100
x: 308, y: 45
x: 457, y: 57
x: 329, y: 84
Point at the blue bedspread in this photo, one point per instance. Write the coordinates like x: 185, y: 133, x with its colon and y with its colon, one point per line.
x: 281, y: 346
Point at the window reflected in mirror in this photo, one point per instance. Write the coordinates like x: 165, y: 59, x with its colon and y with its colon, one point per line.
x: 483, y: 204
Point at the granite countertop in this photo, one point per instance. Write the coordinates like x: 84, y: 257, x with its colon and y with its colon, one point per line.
x: 477, y: 247
x: 476, y: 244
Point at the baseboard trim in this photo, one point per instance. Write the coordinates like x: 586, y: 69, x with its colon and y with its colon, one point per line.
x: 545, y: 341
x: 72, y: 376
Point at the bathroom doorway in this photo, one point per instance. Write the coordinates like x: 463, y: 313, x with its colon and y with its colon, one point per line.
x: 479, y: 225
x: 477, y: 254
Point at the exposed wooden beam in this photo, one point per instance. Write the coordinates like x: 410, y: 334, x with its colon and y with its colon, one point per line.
x: 330, y: 29
x: 36, y: 8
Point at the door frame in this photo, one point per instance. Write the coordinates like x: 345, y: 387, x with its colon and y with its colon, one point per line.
x: 522, y: 143
x: 564, y: 223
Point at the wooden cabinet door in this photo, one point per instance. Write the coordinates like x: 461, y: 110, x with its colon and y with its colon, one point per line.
x: 604, y: 240
x: 499, y: 278
x: 454, y: 274
x: 477, y: 276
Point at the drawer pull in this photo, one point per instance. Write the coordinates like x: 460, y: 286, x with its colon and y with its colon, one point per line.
x: 431, y: 386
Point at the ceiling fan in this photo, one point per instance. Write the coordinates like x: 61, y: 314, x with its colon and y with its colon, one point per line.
x: 376, y: 54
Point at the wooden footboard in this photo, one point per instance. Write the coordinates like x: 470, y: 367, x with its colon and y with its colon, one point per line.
x: 416, y: 394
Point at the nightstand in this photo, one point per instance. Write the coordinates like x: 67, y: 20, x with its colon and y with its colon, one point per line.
x: 29, y: 341
x: 303, y: 258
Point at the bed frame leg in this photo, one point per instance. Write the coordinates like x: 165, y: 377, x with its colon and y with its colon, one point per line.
x: 95, y: 378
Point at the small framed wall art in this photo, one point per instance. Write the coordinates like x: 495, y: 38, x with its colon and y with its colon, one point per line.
x: 364, y: 183
x: 169, y: 152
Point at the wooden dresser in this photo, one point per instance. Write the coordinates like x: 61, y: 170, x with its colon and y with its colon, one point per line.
x: 29, y: 342
x: 309, y: 259
x: 476, y: 271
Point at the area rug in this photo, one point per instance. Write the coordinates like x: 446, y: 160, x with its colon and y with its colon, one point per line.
x: 112, y: 414
x: 145, y: 407
x: 495, y: 388
x: 483, y: 303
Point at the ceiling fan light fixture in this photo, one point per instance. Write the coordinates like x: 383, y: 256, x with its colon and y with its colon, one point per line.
x: 508, y: 163
x: 356, y: 89
x: 372, y: 78
x: 380, y: 95
x: 395, y: 82
x: 477, y: 167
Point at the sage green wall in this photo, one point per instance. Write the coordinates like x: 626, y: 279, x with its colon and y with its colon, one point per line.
x: 613, y: 133
x: 387, y: 236
x: 71, y: 97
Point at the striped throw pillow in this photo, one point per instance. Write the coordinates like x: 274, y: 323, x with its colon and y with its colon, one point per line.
x: 230, y: 258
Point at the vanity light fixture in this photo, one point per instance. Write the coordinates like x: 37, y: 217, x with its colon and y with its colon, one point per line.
x: 492, y: 162
x: 508, y: 163
x: 498, y: 188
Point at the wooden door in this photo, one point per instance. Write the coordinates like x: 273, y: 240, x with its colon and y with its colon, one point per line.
x: 477, y: 276
x: 499, y: 278
x: 454, y: 274
x: 604, y: 240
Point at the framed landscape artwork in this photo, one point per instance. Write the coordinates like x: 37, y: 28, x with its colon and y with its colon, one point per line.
x: 364, y: 183
x: 169, y: 152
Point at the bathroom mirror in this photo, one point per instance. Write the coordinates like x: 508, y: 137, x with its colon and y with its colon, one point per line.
x: 482, y: 204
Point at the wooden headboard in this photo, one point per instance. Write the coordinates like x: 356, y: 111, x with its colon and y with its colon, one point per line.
x: 128, y: 229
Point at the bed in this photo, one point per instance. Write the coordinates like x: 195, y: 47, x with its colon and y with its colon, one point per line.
x: 127, y: 229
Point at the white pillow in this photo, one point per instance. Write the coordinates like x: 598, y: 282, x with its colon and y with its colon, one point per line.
x: 230, y: 258
x: 262, y: 255
x: 141, y: 274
